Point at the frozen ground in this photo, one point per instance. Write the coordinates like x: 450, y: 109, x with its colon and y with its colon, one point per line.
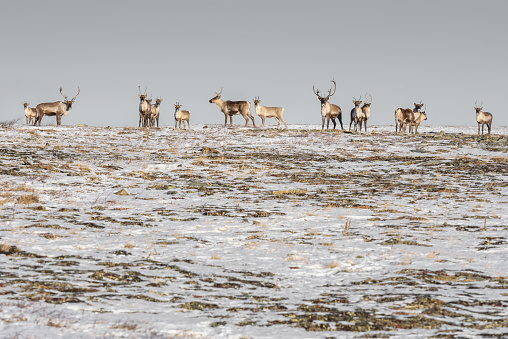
x: 252, y: 233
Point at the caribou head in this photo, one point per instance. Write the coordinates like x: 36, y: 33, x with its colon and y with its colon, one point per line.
x: 324, y: 99
x: 68, y: 103
x: 367, y: 102
x: 357, y: 102
x: 477, y: 108
x: 142, y: 96
x: 216, y: 98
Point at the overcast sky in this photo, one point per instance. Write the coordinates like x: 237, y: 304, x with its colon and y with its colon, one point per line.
x: 447, y: 53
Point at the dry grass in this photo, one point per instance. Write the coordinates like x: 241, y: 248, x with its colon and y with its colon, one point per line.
x: 129, y: 245
x: 333, y: 264
x: 27, y: 199
x: 216, y: 257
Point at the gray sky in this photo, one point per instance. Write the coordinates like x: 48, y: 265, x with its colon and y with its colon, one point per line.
x: 447, y: 53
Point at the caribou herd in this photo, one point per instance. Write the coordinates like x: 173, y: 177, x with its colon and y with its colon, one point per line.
x: 360, y: 114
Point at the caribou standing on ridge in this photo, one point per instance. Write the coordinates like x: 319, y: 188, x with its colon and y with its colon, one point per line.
x: 329, y: 111
x: 30, y: 113
x: 57, y: 108
x: 154, y: 116
x: 181, y: 116
x: 269, y: 112
x: 483, y: 118
x: 144, y: 107
x: 356, y: 114
x: 366, y: 111
x: 230, y: 108
x: 406, y: 114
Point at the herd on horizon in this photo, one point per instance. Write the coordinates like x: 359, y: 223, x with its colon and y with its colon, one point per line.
x: 360, y: 114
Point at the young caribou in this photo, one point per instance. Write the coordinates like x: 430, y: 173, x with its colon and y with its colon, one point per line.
x: 356, y: 114
x: 269, y: 112
x: 230, y: 108
x: 57, y: 108
x: 416, y: 121
x: 181, y: 116
x: 154, y: 117
x: 401, y: 113
x: 329, y: 111
x: 483, y: 118
x: 30, y: 113
x: 366, y: 112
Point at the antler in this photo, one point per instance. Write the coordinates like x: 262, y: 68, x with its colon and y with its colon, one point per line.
x: 62, y: 93
x: 218, y: 94
x: 330, y: 90
x: 316, y: 93
x: 76, y: 94
x: 368, y: 102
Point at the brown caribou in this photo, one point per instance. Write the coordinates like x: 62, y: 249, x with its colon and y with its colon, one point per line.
x: 154, y: 109
x: 483, y: 118
x: 143, y: 107
x: 230, y: 108
x: 329, y: 111
x: 57, y: 108
x: 356, y: 114
x: 402, y: 113
x: 366, y: 111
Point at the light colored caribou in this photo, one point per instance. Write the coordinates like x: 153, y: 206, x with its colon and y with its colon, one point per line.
x: 366, y: 111
x: 402, y: 113
x: 329, y: 111
x: 181, y: 116
x: 483, y: 118
x: 154, y: 115
x: 230, y: 108
x: 30, y: 113
x: 269, y: 112
x: 356, y: 114
x: 57, y: 108
x: 416, y: 121
x: 143, y: 107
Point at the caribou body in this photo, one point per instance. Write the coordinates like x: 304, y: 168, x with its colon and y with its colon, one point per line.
x: 406, y: 114
x: 230, y: 108
x: 483, y: 118
x: 30, y: 113
x: 57, y: 108
x: 329, y: 111
x: 181, y: 116
x: 269, y: 112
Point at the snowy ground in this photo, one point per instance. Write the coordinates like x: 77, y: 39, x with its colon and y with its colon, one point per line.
x: 253, y: 233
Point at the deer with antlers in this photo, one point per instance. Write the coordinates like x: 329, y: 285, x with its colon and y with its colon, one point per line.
x: 30, y: 113
x: 57, y: 108
x: 329, y: 111
x: 230, y: 108
x: 403, y: 116
x: 144, y: 107
x: 483, y: 118
x: 365, y: 112
x: 269, y: 112
x: 356, y: 114
x: 181, y: 116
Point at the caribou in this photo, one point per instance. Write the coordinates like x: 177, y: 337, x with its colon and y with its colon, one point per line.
x: 269, y: 112
x: 230, y: 108
x: 329, y: 111
x: 356, y: 114
x: 416, y: 121
x: 181, y: 116
x: 30, y: 113
x: 483, y: 118
x: 143, y: 107
x: 57, y: 108
x: 401, y: 113
x: 154, y: 116
x: 148, y: 113
x: 366, y: 111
